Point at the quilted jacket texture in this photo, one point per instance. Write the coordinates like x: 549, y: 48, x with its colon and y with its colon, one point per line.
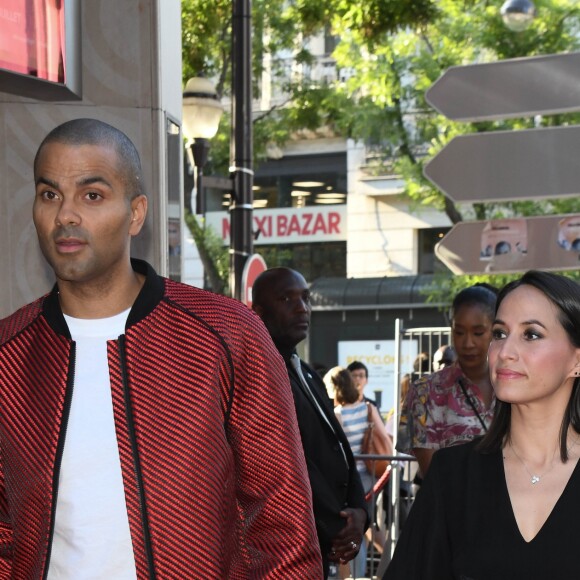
x: 215, y: 480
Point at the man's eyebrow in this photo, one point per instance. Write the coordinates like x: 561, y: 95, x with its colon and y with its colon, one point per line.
x: 94, y: 179
x: 84, y: 181
x: 46, y: 181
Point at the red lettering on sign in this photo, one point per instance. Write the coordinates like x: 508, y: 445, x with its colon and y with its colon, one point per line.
x: 334, y: 223
x: 319, y: 225
x: 307, y: 217
x: 294, y: 227
x: 260, y: 224
x: 281, y: 225
x: 225, y: 228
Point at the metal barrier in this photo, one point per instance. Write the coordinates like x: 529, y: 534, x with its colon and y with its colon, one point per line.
x: 426, y: 340
x: 402, y: 467
x: 397, y: 473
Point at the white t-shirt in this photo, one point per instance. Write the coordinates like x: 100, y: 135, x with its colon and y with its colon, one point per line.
x: 91, y: 532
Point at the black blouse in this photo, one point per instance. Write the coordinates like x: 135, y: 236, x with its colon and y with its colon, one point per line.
x: 462, y: 526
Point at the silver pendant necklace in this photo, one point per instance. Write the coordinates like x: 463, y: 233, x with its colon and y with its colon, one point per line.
x: 534, y: 478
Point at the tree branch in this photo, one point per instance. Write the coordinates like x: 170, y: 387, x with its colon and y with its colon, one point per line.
x: 199, y: 237
x: 271, y: 110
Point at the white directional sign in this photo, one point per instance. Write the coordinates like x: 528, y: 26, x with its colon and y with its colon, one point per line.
x: 509, y: 165
x: 512, y: 245
x: 520, y: 87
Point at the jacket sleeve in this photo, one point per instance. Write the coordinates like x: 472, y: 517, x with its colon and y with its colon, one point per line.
x: 6, y: 534
x: 278, y: 536
x: 355, y: 496
x: 423, y: 551
x: 356, y: 492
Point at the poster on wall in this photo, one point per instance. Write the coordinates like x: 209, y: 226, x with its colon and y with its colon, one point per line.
x: 379, y: 357
x: 33, y: 38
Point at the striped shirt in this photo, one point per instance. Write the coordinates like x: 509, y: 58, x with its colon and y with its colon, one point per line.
x: 354, y: 421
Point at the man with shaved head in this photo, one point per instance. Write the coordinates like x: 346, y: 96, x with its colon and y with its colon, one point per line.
x: 147, y: 428
x: 281, y: 298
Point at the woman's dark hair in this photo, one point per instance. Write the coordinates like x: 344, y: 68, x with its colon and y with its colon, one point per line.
x: 341, y: 380
x: 564, y: 293
x: 481, y: 295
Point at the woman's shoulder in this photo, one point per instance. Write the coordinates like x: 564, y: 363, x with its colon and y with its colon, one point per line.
x: 446, y: 378
x: 353, y: 408
x: 463, y: 471
x: 463, y: 455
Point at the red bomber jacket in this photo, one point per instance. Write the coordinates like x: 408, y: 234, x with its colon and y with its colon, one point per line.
x: 215, y: 480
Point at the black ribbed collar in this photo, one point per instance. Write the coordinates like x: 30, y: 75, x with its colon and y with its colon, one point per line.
x: 148, y: 298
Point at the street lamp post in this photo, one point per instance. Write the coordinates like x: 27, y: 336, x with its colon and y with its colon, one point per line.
x: 202, y: 112
x: 201, y: 115
x: 241, y: 209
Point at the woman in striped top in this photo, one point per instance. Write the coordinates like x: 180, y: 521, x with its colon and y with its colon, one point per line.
x: 353, y: 416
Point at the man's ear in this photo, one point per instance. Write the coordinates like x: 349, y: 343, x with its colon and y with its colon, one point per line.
x: 257, y: 309
x: 138, y: 214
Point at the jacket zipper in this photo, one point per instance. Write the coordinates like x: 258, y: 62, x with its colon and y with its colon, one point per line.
x: 136, y: 462
x: 59, y: 450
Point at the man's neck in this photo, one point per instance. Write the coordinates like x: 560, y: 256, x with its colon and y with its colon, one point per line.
x: 100, y: 300
x: 285, y: 350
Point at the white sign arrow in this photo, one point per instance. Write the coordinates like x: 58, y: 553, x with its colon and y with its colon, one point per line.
x: 512, y: 245
x: 509, y: 165
x: 519, y: 87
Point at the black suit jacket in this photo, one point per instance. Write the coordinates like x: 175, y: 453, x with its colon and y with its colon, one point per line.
x: 334, y: 486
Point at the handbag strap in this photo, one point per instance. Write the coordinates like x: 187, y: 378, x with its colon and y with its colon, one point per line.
x: 471, y: 403
x: 370, y: 422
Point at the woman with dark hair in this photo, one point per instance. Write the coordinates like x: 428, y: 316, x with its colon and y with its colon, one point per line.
x: 455, y: 404
x: 506, y: 506
x: 354, y: 416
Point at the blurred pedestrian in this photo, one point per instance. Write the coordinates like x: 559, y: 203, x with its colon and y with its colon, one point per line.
x: 355, y: 417
x: 444, y: 356
x: 455, y: 404
x: 360, y: 376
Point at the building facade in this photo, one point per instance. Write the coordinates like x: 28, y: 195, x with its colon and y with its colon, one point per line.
x: 125, y: 61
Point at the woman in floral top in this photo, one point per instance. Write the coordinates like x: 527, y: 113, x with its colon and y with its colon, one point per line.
x: 455, y: 404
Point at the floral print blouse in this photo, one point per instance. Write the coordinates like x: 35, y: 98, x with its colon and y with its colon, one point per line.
x: 436, y: 412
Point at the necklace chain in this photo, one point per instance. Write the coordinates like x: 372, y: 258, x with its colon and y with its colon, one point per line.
x: 534, y: 478
x: 537, y: 478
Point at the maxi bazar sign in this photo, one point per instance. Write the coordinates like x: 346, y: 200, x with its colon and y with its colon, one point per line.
x: 289, y: 225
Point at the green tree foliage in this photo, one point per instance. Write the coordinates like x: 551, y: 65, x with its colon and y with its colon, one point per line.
x: 213, y: 254
x: 281, y: 33
x: 392, y: 71
x: 393, y: 50
x: 446, y: 287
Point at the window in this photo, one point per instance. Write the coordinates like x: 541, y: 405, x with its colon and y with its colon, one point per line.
x: 40, y: 49
x: 428, y: 262
x: 311, y: 260
x: 301, y: 180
